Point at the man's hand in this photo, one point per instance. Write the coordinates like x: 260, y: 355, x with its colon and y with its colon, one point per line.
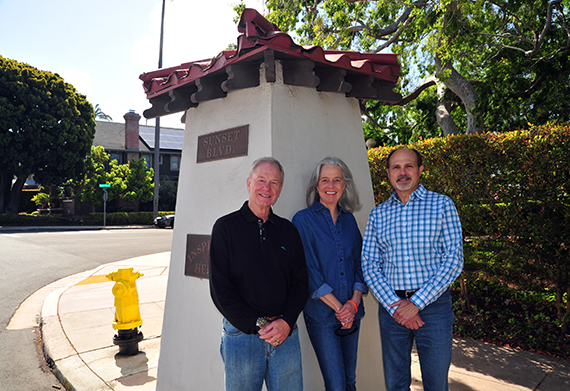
x: 275, y: 332
x: 407, y: 314
x: 415, y: 323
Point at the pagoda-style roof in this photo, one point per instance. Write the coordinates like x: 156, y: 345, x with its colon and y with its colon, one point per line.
x: 359, y: 75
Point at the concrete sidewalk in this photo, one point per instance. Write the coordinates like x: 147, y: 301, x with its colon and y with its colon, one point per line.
x: 78, y: 311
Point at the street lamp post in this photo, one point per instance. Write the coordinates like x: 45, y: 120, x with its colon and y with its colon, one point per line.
x: 157, y: 127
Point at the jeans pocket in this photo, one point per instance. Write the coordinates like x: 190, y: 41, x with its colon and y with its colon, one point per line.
x: 445, y: 298
x: 295, y: 329
x: 230, y: 330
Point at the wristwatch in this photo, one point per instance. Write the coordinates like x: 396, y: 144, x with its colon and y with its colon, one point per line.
x: 261, y: 322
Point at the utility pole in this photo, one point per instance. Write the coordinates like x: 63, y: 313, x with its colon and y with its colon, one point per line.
x: 157, y: 128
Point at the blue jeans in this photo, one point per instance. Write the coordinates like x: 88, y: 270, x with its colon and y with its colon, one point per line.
x: 433, y: 344
x: 249, y: 360
x: 336, y: 352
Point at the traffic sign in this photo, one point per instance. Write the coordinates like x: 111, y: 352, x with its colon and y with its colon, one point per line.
x: 104, y: 185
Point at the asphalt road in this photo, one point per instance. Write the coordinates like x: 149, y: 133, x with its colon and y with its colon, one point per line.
x: 31, y: 260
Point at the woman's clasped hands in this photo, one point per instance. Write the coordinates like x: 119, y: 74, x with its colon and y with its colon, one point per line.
x: 346, y: 314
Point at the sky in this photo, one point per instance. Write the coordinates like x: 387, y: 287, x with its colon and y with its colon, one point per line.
x: 102, y: 47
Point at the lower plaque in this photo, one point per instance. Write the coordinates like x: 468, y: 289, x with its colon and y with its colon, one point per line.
x: 197, y: 256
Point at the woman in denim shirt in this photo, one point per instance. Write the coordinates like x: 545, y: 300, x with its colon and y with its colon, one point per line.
x: 332, y: 244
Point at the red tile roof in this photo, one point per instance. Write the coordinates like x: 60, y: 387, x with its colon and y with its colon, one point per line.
x: 259, y: 41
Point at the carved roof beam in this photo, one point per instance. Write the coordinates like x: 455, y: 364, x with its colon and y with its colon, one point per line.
x: 269, y: 61
x: 361, y: 86
x: 299, y: 73
x: 180, y: 98
x: 241, y: 75
x: 384, y: 91
x: 209, y: 87
x: 332, y: 80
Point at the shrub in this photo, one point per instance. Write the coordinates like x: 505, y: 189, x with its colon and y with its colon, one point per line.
x: 41, y: 199
x: 512, y: 192
x: 93, y: 219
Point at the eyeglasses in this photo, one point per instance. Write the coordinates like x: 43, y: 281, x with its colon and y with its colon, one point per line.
x: 346, y: 332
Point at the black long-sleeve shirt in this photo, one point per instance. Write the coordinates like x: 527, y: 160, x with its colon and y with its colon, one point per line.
x: 257, y: 269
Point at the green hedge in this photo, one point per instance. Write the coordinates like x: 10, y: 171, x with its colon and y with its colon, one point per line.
x: 512, y: 192
x: 92, y: 219
x: 26, y: 220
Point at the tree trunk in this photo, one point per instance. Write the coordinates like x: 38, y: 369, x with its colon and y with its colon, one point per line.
x: 14, y: 197
x: 4, y: 190
x: 559, y: 287
x: 562, y: 312
x: 462, y: 88
x: 565, y: 320
x: 443, y: 112
x: 54, y: 198
x: 465, y: 303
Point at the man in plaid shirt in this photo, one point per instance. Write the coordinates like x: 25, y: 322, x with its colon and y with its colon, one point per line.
x: 412, y: 251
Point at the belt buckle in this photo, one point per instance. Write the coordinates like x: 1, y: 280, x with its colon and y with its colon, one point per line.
x: 409, y: 294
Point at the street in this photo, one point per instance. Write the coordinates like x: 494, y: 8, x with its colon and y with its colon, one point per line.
x: 31, y: 260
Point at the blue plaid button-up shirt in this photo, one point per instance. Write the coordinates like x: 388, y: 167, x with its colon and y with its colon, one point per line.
x: 412, y: 246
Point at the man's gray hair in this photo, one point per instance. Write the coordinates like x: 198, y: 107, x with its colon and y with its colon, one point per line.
x: 349, y: 200
x: 270, y: 160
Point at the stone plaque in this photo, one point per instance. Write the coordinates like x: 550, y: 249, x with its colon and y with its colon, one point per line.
x: 197, y: 256
x: 225, y: 144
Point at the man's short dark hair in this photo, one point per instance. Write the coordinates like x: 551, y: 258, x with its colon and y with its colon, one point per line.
x: 418, y: 156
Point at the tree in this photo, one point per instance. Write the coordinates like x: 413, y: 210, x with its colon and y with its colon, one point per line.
x: 96, y: 173
x: 392, y: 125
x: 99, y: 114
x: 504, y: 63
x: 168, y: 189
x: 131, y: 182
x: 533, y: 75
x: 138, y: 181
x: 46, y: 129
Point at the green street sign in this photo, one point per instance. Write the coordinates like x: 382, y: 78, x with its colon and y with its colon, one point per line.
x: 104, y: 185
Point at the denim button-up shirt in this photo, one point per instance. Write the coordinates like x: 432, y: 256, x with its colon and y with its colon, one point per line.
x: 332, y: 252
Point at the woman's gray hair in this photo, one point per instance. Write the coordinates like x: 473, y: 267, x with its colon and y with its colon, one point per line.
x: 349, y: 200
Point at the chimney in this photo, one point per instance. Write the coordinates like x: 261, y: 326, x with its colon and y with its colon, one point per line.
x: 132, y: 134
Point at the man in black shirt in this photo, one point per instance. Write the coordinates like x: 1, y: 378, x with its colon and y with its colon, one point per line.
x: 258, y: 281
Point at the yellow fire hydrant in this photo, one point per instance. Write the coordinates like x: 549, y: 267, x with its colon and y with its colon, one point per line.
x: 127, y: 311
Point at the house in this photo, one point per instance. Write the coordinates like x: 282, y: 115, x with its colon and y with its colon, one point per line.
x: 131, y: 140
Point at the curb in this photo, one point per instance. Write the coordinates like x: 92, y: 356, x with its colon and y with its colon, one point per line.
x: 58, y: 351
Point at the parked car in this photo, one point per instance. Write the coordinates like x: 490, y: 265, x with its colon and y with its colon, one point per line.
x: 164, y: 221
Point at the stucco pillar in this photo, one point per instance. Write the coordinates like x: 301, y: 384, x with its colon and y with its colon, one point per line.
x: 298, y: 126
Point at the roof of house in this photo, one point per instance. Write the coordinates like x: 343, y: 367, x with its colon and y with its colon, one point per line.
x: 359, y: 75
x: 170, y: 138
x: 111, y: 136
